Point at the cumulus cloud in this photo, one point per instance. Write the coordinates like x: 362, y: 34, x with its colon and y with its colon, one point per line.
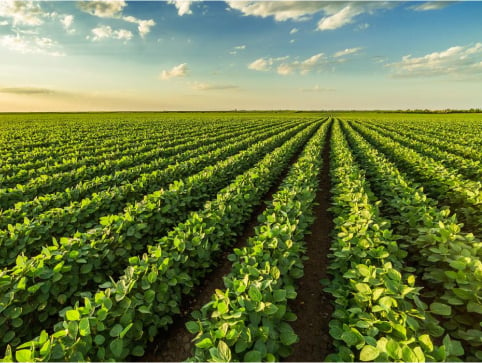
x: 27, y: 13
x: 314, y: 62
x: 346, y: 51
x: 67, y: 21
x: 280, y: 10
x: 200, y: 86
x: 103, y: 8
x: 285, y: 66
x: 176, y: 71
x: 455, y: 61
x: 431, y: 5
x: 31, y: 45
x: 183, y: 6
x: 265, y: 64
x: 335, y: 14
x: 27, y: 91
x: 113, y: 9
x: 143, y: 26
x: 106, y: 32
x: 294, y: 31
x: 3, y: 23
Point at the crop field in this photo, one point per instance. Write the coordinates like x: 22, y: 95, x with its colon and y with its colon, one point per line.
x: 244, y: 236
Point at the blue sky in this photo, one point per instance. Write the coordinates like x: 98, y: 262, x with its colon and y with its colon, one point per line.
x: 221, y: 55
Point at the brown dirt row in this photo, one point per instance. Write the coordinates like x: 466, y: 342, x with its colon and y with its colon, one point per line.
x: 312, y: 305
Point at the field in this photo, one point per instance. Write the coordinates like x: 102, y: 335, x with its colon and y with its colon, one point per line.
x: 295, y: 236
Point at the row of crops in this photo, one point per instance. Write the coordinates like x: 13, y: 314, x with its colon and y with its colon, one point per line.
x: 109, y: 223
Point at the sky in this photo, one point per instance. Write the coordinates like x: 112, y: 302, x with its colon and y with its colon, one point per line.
x: 115, y: 55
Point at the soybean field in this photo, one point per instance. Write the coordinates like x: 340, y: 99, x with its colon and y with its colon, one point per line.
x: 241, y: 236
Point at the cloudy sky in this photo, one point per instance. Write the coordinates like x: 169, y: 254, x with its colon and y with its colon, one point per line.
x: 201, y: 55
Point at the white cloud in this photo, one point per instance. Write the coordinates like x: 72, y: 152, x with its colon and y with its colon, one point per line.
x: 183, y: 6
x: 336, y: 13
x: 143, y: 26
x: 347, y: 51
x: 177, y: 71
x: 106, y: 32
x: 31, y: 45
x: 285, y: 67
x: 103, y: 8
x: 200, y: 86
x: 22, y: 12
x: 280, y: 10
x: 455, y: 61
x: 3, y: 23
x: 67, y: 21
x: 431, y: 5
x: 340, y: 18
x: 294, y: 31
x: 260, y: 64
x: 113, y: 9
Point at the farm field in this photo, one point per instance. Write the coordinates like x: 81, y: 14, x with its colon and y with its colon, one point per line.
x: 241, y: 236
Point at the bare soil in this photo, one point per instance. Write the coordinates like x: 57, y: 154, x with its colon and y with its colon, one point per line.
x: 312, y: 305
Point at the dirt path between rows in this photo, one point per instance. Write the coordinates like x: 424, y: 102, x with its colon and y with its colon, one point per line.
x: 312, y: 306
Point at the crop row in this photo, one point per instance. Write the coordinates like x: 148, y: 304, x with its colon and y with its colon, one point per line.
x: 378, y: 312
x: 32, y: 235
x: 468, y: 168
x: 465, y: 196
x: 447, y: 258
x: 124, y: 315
x: 36, y: 289
x: 154, y: 146
x: 44, y: 184
x: 444, y: 142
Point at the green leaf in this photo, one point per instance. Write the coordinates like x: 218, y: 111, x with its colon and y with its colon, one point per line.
x: 408, y: 355
x: 224, y: 351
x: 72, y: 315
x: 288, y: 337
x: 453, y: 347
x: 8, y: 336
x: 350, y: 338
x: 99, y: 339
x: 84, y: 327
x: 473, y: 307
x: 24, y: 355
x: 254, y: 293
x: 458, y: 265
x: 222, y: 307
x: 279, y: 295
x: 440, y: 309
x: 138, y: 351
x: 192, y: 327
x: 253, y: 356
x: 116, y: 346
x: 393, y: 349
x: 369, y: 353
x: 363, y: 288
x: 116, y: 330
x: 205, y: 343
x: 426, y: 342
